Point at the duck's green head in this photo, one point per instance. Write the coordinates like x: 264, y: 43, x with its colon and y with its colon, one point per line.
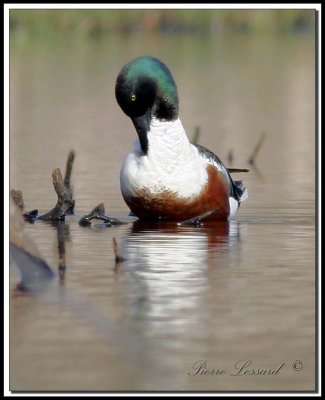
x: 144, y: 89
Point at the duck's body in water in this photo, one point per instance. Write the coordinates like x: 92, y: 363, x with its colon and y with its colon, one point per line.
x: 166, y: 176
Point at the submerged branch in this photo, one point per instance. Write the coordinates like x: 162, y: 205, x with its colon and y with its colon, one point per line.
x: 198, y: 221
x: 99, y: 213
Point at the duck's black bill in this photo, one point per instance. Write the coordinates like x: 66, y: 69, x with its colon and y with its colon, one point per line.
x: 142, y: 126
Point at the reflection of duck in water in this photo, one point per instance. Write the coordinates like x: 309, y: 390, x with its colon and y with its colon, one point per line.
x: 166, y: 267
x: 166, y: 176
x: 216, y: 236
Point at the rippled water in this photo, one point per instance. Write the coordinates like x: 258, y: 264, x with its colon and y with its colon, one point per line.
x: 223, y: 294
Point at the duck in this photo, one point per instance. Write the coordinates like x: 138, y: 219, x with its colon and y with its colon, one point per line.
x: 167, y: 177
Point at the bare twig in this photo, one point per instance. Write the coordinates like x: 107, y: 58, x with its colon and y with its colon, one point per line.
x: 230, y: 156
x: 235, y: 170
x: 257, y: 148
x: 68, y: 169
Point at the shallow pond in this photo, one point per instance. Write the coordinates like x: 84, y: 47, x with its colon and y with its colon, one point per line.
x: 216, y: 297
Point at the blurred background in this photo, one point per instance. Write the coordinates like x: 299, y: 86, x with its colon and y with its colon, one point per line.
x: 243, y: 291
x: 103, y: 22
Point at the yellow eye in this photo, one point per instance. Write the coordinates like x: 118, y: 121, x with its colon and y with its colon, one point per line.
x: 133, y: 97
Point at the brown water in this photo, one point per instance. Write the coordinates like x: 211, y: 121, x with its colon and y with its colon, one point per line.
x: 243, y: 291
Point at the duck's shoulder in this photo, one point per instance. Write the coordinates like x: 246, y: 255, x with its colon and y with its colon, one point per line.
x: 236, y: 188
x: 210, y: 158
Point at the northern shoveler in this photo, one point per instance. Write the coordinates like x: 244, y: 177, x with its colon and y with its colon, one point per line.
x: 166, y: 176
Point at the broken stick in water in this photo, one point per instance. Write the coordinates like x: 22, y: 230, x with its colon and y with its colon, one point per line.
x: 235, y: 170
x: 99, y: 213
x: 257, y: 148
x: 68, y: 170
x: 230, y: 156
x: 198, y: 221
x: 65, y: 203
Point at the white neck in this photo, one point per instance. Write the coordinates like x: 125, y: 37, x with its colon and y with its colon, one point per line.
x: 168, y: 145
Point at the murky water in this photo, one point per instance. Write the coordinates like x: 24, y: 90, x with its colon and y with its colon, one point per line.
x: 227, y: 294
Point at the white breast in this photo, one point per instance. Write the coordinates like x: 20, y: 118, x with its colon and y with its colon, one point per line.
x: 171, y: 163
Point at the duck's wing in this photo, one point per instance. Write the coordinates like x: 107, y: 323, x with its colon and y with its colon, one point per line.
x: 237, y: 190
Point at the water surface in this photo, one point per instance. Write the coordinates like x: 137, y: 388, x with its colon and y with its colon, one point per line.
x: 238, y: 291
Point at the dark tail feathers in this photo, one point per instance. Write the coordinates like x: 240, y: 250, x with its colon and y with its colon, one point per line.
x: 240, y: 191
